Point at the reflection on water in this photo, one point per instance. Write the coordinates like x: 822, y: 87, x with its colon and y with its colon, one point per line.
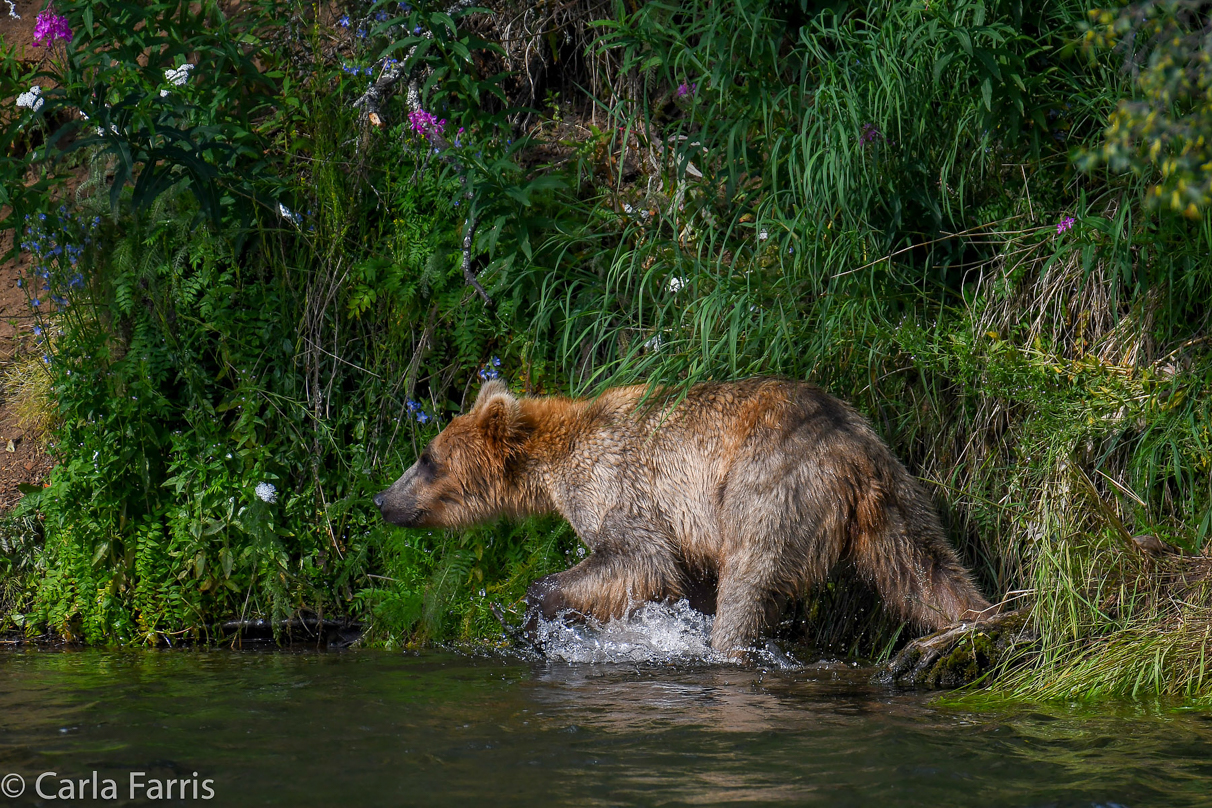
x: 370, y: 728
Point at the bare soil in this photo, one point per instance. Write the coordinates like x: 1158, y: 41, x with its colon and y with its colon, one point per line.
x: 28, y: 462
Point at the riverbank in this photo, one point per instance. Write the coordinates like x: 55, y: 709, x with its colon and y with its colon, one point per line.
x: 311, y: 233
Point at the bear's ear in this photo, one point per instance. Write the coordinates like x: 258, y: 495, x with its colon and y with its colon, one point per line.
x: 499, y: 417
x: 490, y: 388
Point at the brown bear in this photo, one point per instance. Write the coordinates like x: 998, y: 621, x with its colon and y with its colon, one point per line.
x: 737, y: 495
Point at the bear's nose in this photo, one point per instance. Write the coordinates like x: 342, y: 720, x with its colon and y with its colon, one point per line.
x: 378, y: 500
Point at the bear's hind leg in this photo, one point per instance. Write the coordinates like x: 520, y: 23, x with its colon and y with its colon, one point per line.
x: 900, y: 547
x: 748, y: 604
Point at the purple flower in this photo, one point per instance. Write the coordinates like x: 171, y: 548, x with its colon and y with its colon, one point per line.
x: 1065, y: 224
x: 51, y: 26
x: 425, y: 123
x: 344, y: 21
x: 685, y: 89
x: 870, y: 134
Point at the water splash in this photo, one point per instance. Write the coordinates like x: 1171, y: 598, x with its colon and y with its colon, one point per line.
x: 655, y: 633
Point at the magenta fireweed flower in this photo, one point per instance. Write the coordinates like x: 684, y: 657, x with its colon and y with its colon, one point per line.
x: 425, y: 123
x: 685, y: 89
x: 51, y: 26
x: 1064, y: 225
x: 870, y: 134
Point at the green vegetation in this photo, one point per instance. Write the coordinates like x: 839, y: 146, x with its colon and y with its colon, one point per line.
x: 944, y: 212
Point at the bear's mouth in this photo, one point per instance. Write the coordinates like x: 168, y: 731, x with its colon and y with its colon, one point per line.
x: 411, y: 518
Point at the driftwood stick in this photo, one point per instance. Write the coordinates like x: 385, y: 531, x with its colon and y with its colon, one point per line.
x: 960, y: 654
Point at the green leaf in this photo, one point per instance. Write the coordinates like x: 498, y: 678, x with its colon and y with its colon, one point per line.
x: 100, y: 553
x: 965, y: 40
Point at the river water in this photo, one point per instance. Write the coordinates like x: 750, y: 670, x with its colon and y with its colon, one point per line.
x: 367, y: 727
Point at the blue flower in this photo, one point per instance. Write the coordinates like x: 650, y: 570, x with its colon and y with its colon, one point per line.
x: 417, y: 30
x: 35, y: 302
x: 344, y: 21
x: 422, y: 418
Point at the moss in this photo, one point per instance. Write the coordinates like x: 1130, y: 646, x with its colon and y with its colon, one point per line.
x: 962, y: 655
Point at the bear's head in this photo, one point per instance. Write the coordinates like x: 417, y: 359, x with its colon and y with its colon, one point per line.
x: 466, y: 474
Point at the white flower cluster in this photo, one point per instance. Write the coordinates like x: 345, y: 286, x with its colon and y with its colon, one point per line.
x: 176, y: 76
x: 289, y: 215
x: 676, y: 283
x: 100, y: 132
x: 31, y: 99
x: 267, y: 493
x: 12, y: 10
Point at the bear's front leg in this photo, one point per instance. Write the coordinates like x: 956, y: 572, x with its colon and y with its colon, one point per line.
x: 607, y: 584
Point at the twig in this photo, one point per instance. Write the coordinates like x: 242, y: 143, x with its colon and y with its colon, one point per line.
x: 339, y: 359
x: 1107, y: 511
x: 469, y: 232
x: 892, y: 255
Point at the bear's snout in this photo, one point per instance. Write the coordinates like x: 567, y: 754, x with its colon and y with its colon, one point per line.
x: 399, y: 504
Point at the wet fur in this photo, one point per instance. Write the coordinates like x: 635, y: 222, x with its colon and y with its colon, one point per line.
x: 741, y: 496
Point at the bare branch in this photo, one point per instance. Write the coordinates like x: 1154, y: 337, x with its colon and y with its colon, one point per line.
x: 469, y: 233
